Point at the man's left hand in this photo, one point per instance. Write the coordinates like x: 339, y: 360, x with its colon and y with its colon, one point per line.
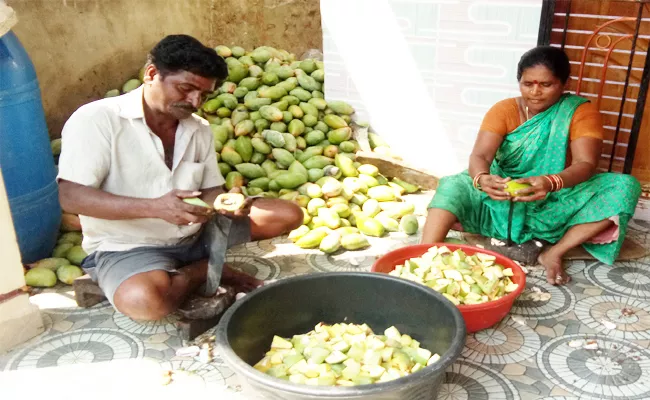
x: 540, y: 187
x: 243, y: 212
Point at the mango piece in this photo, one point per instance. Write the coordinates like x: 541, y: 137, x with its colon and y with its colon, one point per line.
x: 40, y: 277
x: 130, y: 85
x: 388, y: 223
x: 309, y: 109
x: 320, y: 104
x: 348, y: 147
x: 314, y: 205
x: 371, y: 208
x: 315, y: 174
x: 274, y: 93
x: 298, y: 233
x: 407, y: 186
x: 308, y: 83
x: 274, y: 138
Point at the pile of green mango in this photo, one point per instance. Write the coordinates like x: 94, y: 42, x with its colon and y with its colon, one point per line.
x: 276, y: 136
x: 64, y: 263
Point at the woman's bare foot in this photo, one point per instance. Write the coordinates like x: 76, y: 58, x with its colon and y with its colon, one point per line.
x: 555, y: 274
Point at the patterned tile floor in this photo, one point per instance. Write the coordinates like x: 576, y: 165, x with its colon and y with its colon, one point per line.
x: 589, y: 341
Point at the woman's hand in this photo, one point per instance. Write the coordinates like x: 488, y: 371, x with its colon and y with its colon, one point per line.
x: 493, y: 186
x: 539, y: 188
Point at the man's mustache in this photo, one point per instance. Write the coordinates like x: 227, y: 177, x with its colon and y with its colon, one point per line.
x: 185, y: 106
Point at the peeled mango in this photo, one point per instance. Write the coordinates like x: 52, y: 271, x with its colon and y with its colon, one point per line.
x: 311, y: 240
x: 461, y: 278
x: 354, y: 241
x: 229, y: 202
x: 331, y: 243
x: 40, y: 277
x: 512, y: 187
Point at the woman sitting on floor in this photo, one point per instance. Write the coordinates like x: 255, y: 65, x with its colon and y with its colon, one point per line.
x: 552, y: 141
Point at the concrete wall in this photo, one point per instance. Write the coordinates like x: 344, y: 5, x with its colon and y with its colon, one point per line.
x: 82, y: 48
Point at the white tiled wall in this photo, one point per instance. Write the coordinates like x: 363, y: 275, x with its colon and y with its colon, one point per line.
x: 455, y: 59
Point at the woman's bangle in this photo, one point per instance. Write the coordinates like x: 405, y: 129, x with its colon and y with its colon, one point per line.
x: 556, y: 181
x: 477, y: 177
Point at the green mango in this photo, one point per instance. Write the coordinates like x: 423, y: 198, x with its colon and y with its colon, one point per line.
x: 261, y: 125
x: 270, y: 79
x: 230, y: 156
x: 292, y: 100
x: 346, y: 166
x: 283, y: 157
x: 244, y: 127
x: 309, y: 153
x: 274, y: 93
x: 314, y: 137
x: 309, y: 109
x: 320, y: 104
x: 234, y: 179
x: 250, y: 170
x: 296, y: 127
x: 354, y: 241
x: 340, y: 107
x: 308, y: 65
x: 340, y: 135
x: 274, y: 138
x: 260, y: 146
x: 290, y: 181
x: 224, y: 168
x: 309, y: 120
x: 250, y: 83
x: 301, y: 94
x: 335, y: 122
x: 271, y: 113
x: 318, y: 75
x: 317, y: 162
x: 244, y: 147
x: 308, y: 83
x: 262, y: 183
x: 290, y: 143
x: 258, y: 158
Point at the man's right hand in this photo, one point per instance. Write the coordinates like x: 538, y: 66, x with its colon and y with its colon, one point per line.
x: 173, y: 209
x: 493, y: 186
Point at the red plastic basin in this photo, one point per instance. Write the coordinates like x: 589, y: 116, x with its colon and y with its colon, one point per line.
x: 477, y: 316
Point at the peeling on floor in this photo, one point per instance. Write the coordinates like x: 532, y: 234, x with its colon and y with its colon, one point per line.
x: 586, y: 340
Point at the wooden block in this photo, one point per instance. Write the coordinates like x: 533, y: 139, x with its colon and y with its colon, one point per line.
x: 86, y: 292
x: 189, y: 329
x: 392, y: 168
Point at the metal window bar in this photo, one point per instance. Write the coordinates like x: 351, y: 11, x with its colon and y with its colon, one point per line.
x: 544, y: 38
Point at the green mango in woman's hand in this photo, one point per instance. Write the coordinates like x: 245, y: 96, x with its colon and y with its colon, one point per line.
x: 512, y: 187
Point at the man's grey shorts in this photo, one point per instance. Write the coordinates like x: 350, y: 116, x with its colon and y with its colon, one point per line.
x: 111, y: 268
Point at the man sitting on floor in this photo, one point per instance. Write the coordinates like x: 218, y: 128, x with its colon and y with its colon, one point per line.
x: 126, y: 166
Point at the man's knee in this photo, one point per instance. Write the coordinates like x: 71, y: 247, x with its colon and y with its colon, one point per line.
x: 142, y: 296
x: 292, y: 214
x: 279, y: 216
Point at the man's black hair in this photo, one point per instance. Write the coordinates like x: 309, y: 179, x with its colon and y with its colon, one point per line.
x: 177, y: 53
x: 552, y: 58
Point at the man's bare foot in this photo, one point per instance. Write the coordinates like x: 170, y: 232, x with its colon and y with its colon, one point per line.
x: 555, y: 274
